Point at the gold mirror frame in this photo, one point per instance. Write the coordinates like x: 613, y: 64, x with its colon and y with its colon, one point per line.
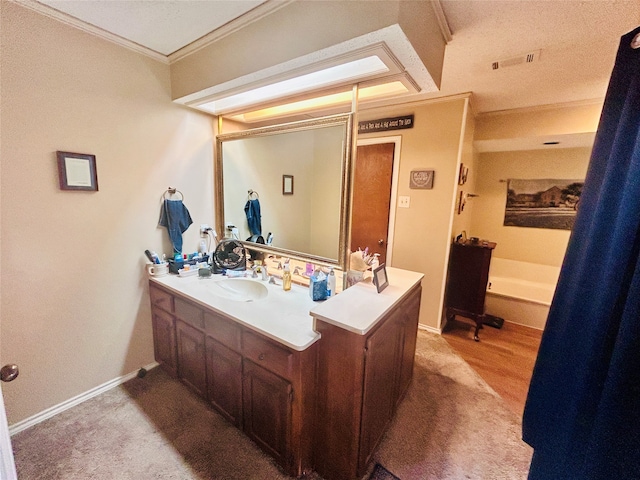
x: 343, y: 238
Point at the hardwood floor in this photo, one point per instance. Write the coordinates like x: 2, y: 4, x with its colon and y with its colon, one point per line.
x: 504, y: 357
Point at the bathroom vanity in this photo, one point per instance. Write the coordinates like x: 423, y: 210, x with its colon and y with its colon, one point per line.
x: 314, y: 384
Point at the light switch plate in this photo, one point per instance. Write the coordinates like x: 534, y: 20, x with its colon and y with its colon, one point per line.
x: 404, y: 201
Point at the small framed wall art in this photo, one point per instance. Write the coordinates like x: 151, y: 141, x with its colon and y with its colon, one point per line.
x: 421, y: 179
x: 463, y: 174
x: 287, y: 184
x: 77, y: 171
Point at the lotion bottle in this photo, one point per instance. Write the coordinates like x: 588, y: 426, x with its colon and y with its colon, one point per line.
x: 286, y: 278
x: 331, y: 283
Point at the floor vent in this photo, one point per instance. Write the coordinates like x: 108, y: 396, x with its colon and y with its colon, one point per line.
x: 519, y: 60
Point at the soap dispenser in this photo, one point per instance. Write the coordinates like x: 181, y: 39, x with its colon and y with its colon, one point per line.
x: 286, y: 278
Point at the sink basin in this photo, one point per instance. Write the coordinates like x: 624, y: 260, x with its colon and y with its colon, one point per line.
x: 239, y: 289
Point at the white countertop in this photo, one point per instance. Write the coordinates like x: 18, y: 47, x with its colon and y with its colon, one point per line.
x: 282, y: 316
x: 360, y: 306
x: 287, y: 317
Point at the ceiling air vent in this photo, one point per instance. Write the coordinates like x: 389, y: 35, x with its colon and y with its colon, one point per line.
x: 519, y: 60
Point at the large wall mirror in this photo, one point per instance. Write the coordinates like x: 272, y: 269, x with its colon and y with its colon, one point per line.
x: 299, y: 173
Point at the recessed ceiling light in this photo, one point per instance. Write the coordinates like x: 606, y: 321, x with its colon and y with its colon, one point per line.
x: 346, y: 72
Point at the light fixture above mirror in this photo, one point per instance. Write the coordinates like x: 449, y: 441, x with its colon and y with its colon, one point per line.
x: 317, y: 86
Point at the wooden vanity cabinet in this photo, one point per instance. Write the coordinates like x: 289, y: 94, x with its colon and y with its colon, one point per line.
x: 361, y: 380
x: 260, y: 386
x: 164, y: 330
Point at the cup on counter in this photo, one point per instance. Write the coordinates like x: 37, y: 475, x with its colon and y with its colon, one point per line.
x: 157, y: 269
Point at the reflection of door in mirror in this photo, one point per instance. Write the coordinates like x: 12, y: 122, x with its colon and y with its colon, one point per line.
x: 372, y: 198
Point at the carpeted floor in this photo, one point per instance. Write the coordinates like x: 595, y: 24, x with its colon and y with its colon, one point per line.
x: 451, y: 425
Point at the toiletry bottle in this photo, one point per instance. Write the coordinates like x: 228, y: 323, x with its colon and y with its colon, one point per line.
x: 331, y: 283
x: 375, y: 263
x: 286, y: 278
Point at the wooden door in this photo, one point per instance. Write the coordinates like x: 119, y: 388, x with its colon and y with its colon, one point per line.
x: 191, y: 357
x: 372, y: 198
x: 224, y: 380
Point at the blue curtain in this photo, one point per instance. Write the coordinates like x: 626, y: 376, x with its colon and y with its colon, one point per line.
x: 582, y: 414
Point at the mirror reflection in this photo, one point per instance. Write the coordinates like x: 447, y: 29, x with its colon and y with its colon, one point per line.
x: 281, y: 188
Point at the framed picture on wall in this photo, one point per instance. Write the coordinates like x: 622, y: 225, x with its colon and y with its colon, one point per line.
x: 77, y: 171
x: 462, y: 175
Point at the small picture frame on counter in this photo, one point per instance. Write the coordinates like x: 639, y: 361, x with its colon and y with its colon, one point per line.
x: 380, y: 279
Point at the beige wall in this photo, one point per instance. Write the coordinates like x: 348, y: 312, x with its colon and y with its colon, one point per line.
x: 468, y: 157
x: 422, y: 231
x: 75, y: 308
x: 539, y: 122
x: 536, y: 245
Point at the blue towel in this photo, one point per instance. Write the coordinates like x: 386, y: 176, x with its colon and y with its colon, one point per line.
x: 252, y: 210
x: 175, y: 216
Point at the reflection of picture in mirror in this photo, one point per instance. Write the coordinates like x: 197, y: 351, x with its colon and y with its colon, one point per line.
x: 314, y: 157
x: 287, y: 184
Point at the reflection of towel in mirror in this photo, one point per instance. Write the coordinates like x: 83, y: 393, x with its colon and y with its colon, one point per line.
x: 175, y: 216
x: 252, y: 210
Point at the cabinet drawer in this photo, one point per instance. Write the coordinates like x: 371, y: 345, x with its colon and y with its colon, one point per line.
x: 267, y: 354
x: 161, y: 299
x: 189, y: 313
x: 222, y: 329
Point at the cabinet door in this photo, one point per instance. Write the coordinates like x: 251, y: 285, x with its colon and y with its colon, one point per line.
x: 164, y: 340
x: 383, y: 350
x: 409, y: 327
x: 191, y: 357
x: 267, y: 400
x: 224, y: 380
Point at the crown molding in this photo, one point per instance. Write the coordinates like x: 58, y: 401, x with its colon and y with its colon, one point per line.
x: 253, y: 15
x: 234, y: 25
x: 442, y: 21
x: 51, y: 12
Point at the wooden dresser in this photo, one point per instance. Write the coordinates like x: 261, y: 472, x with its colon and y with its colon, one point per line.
x: 467, y: 280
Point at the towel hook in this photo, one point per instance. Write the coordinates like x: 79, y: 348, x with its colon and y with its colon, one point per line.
x: 253, y: 192
x: 172, y: 191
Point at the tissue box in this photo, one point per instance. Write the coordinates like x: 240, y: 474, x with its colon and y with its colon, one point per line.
x: 317, y: 288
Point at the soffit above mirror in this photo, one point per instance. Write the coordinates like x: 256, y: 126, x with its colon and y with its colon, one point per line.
x: 404, y: 36
x: 391, y: 58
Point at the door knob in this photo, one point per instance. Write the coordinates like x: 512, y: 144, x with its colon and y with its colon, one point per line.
x: 381, y: 242
x: 9, y: 372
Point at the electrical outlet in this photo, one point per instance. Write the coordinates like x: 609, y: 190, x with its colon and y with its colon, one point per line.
x: 404, y: 201
x: 204, y: 228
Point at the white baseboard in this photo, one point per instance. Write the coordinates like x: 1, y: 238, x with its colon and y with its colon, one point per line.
x: 435, y: 330
x: 72, y: 402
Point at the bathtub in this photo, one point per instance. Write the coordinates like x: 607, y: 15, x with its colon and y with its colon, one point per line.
x: 520, y: 292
